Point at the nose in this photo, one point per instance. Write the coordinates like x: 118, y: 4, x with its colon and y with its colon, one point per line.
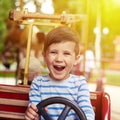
x: 59, y: 58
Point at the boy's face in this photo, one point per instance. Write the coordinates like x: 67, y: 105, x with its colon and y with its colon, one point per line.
x: 60, y: 58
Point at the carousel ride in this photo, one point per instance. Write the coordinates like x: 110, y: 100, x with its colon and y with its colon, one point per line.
x: 14, y: 98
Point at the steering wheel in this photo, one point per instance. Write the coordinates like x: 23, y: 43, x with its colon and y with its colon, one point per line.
x: 60, y: 100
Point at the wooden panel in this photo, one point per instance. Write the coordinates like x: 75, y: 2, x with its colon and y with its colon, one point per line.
x: 14, y: 101
x: 11, y: 115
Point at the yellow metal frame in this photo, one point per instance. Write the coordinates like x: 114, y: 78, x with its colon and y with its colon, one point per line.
x: 54, y: 20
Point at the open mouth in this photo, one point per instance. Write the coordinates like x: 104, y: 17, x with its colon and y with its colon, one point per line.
x: 59, y: 68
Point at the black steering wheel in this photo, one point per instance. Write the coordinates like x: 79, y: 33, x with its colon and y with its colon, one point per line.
x: 60, y: 100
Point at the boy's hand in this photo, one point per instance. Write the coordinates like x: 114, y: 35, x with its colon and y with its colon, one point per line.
x: 31, y: 113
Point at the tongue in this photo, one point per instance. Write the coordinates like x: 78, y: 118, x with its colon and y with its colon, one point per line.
x: 59, y: 68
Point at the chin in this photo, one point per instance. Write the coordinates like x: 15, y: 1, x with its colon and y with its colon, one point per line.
x: 60, y: 78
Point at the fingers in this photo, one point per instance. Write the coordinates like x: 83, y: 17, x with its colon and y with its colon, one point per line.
x: 31, y: 113
x: 46, y: 108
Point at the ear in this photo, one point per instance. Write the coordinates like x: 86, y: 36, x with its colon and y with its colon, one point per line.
x: 77, y: 59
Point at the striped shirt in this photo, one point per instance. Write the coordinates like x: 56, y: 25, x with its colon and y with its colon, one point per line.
x: 73, y: 88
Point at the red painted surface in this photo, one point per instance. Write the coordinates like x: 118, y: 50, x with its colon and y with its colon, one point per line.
x: 100, y: 101
x: 102, y: 106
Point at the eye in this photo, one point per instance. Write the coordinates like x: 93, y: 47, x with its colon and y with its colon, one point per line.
x: 53, y: 52
x: 66, y: 53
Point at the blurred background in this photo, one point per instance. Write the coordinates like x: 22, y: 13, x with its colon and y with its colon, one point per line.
x: 100, y: 41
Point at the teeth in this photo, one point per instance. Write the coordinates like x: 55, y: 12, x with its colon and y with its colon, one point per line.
x: 59, y: 66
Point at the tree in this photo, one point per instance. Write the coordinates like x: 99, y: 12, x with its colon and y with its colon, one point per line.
x: 6, y: 6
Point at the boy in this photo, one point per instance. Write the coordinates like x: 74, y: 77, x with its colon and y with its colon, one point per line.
x: 61, y: 51
x: 34, y: 69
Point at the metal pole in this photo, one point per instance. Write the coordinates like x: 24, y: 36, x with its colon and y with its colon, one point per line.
x: 98, y: 35
x: 28, y: 55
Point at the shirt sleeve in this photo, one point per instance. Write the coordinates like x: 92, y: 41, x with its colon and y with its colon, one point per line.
x: 34, y: 94
x: 84, y: 100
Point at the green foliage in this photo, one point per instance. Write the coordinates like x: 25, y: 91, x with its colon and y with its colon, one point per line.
x: 60, y: 6
x: 70, y: 6
x: 5, y: 7
x: 113, y: 77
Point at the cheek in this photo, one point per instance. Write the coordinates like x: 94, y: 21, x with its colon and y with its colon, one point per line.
x: 70, y: 62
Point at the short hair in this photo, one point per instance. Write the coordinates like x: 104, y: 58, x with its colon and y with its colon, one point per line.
x: 34, y: 64
x: 62, y: 34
